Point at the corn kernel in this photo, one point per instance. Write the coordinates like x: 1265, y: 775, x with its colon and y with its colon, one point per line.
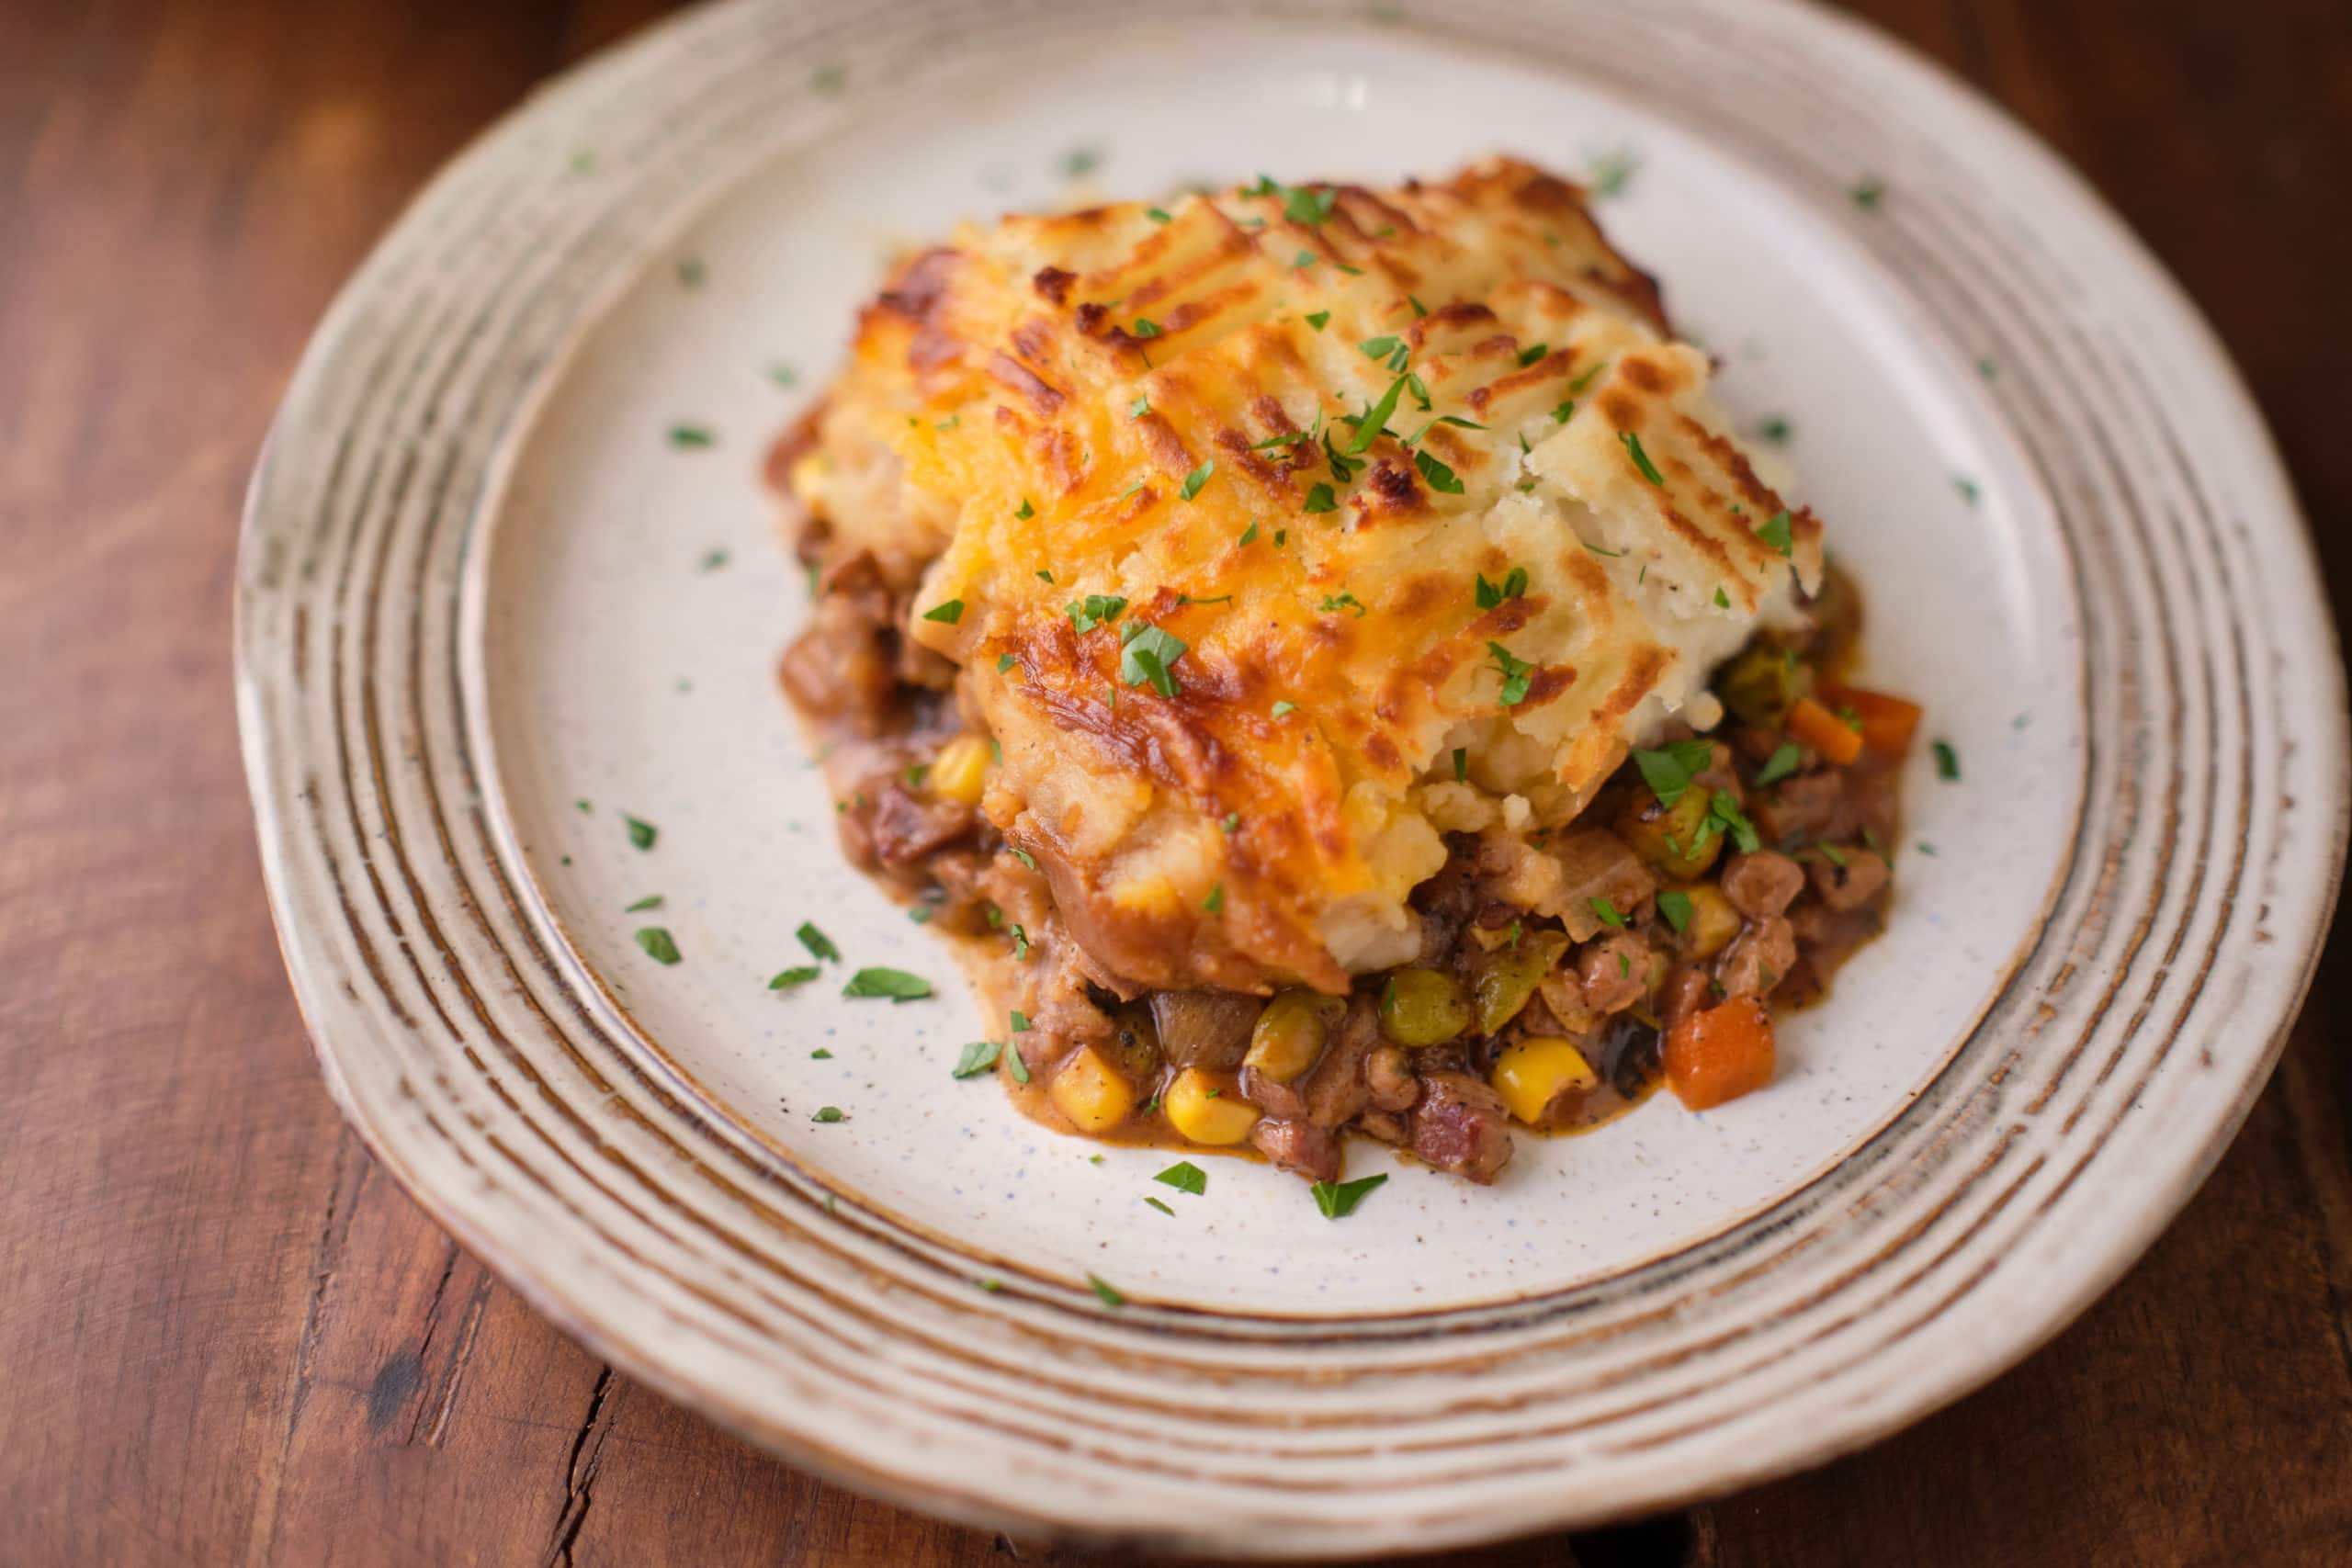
x: 961, y: 769
x: 1207, y: 1107
x: 1530, y: 1073
x: 1290, y: 1033
x: 1092, y: 1093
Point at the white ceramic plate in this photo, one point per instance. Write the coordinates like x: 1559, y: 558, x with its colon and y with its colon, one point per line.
x: 484, y: 615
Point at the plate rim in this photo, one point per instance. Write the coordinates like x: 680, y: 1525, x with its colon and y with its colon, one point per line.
x: 2119, y: 1249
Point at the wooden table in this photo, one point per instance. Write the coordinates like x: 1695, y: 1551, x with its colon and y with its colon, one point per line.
x: 224, y: 1334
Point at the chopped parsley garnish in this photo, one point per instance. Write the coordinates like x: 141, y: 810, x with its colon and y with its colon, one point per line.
x: 1338, y: 1199
x: 1280, y: 708
x: 1440, y: 477
x: 650, y: 901
x: 1387, y: 349
x: 1926, y: 848
x: 1612, y: 555
x: 1674, y: 907
x: 1947, y: 760
x: 1342, y: 467
x: 1780, y: 764
x: 1282, y: 536
x: 818, y: 944
x: 1514, y: 672
x: 1967, y: 488
x: 1158, y: 215
x: 1230, y: 823
x: 1249, y: 535
x: 1319, y: 320
x: 1215, y: 902
x: 1868, y: 194
x: 713, y: 559
x: 820, y: 1054
x: 1020, y: 1022
x: 1514, y: 585
x: 1419, y: 308
x: 1670, y: 770
x: 1776, y: 533
x: 1025, y: 858
x: 1320, y: 499
x: 784, y: 375
x: 1632, y: 445
x: 947, y: 614
x: 687, y: 437
x: 1095, y: 609
x: 1106, y: 1291
x: 1026, y: 512
x: 1182, y: 599
x: 641, y: 832
x: 1613, y: 170
x: 1196, y: 479
x: 1014, y: 1063
x: 1461, y: 763
x: 1080, y: 160
x: 1005, y: 661
x: 1776, y: 431
x: 1833, y: 854
x: 1162, y: 1207
x: 1303, y: 259
x: 1562, y: 413
x: 1293, y: 439
x: 1608, y: 913
x: 1375, y: 418
x: 1724, y: 816
x: 950, y: 423
x: 1723, y: 601
x: 895, y: 984
x: 829, y: 1114
x: 657, y: 944
x: 1335, y: 602
x: 1146, y: 327
x: 978, y: 1058
x: 583, y: 805
x: 1042, y: 575
x: 1590, y: 375
x: 799, y: 974
x: 1534, y: 352
x: 1146, y: 653
x: 1139, y: 408
x: 1185, y: 1177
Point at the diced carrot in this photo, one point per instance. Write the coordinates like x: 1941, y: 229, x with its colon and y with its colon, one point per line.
x: 1836, y: 740
x: 1888, y: 723
x: 1720, y: 1053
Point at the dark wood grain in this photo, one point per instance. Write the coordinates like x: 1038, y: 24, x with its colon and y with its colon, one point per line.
x: 226, y: 1336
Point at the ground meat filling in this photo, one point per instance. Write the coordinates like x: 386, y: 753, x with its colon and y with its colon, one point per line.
x: 1710, y: 878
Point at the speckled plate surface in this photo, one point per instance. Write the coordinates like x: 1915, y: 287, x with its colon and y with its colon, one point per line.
x: 508, y: 582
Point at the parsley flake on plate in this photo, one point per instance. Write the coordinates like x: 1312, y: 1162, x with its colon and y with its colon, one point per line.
x: 818, y: 944
x: 650, y: 901
x: 1185, y: 1177
x: 978, y: 1058
x: 657, y: 944
x: 641, y: 832
x: 1338, y: 1199
x: 895, y: 984
x: 1107, y: 1292
x: 799, y: 974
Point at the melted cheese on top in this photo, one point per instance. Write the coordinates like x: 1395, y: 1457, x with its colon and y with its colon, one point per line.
x: 1067, y: 432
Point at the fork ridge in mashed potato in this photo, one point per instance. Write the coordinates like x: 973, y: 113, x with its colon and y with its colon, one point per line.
x: 1275, y: 534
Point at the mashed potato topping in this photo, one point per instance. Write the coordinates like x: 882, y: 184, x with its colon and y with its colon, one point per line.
x: 1275, y: 534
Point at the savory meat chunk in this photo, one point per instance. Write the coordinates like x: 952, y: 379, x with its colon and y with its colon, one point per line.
x: 1336, y: 1090
x: 1758, y: 959
x: 1849, y: 880
x: 1388, y: 1078
x: 1460, y: 1126
x: 1763, y: 884
x: 1798, y: 807
x: 1615, y: 971
x: 1204, y: 1029
x: 907, y: 828
x: 1301, y: 1146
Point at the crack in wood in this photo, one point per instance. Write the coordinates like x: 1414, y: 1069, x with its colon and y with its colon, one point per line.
x: 581, y: 1469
